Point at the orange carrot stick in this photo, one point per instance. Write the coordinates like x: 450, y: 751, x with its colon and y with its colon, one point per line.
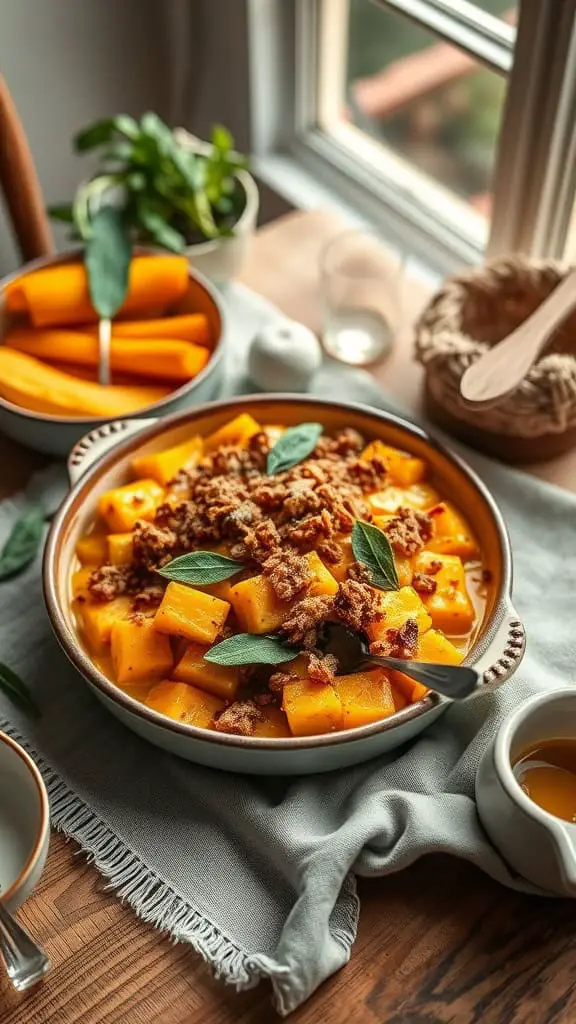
x: 186, y: 327
x: 162, y: 359
x: 27, y: 382
x: 59, y: 294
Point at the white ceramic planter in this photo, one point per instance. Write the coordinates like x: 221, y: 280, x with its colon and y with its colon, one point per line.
x: 221, y: 259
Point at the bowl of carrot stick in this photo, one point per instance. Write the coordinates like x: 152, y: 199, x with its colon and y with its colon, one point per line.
x: 165, y: 351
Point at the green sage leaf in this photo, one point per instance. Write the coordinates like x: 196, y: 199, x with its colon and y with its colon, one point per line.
x: 249, y: 649
x: 372, y: 548
x: 17, y: 692
x: 107, y: 259
x: 162, y: 233
x: 201, y: 567
x: 292, y: 447
x: 22, y: 545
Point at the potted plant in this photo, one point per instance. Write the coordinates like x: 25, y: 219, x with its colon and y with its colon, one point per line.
x: 166, y: 189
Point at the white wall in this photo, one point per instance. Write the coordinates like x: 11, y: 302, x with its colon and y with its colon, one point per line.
x: 68, y: 62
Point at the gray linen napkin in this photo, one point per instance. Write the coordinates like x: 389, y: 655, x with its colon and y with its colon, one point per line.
x: 258, y: 874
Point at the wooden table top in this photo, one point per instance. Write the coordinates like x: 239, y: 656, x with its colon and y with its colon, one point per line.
x: 439, y: 943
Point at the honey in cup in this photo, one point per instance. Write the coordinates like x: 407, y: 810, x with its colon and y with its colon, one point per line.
x: 547, y: 774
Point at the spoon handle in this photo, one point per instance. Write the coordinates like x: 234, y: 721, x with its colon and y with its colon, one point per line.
x: 25, y: 962
x: 502, y: 368
x: 104, y: 341
x: 455, y: 681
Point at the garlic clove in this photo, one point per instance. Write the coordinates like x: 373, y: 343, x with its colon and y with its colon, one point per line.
x: 284, y: 356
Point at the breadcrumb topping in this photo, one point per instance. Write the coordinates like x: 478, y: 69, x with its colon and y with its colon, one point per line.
x: 408, y: 531
x: 240, y: 718
x: 272, y: 524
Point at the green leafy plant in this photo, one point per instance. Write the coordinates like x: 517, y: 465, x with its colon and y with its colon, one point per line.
x: 150, y: 188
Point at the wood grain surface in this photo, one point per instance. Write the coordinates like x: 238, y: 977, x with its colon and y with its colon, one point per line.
x: 439, y: 943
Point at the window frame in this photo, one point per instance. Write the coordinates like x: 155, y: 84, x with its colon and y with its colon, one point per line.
x: 533, y: 194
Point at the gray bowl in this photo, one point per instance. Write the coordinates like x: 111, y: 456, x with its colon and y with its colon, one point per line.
x: 56, y: 435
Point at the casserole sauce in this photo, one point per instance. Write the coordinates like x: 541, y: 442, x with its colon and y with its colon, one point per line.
x: 290, y: 534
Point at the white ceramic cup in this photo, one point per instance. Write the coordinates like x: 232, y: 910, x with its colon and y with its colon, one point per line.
x: 538, y: 845
x: 24, y: 823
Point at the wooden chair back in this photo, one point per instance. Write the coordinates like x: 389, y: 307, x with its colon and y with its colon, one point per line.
x: 20, y: 185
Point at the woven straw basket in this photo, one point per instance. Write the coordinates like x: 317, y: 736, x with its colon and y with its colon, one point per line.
x: 468, y: 315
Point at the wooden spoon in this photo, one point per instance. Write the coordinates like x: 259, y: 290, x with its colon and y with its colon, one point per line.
x: 500, y: 370
x: 351, y: 651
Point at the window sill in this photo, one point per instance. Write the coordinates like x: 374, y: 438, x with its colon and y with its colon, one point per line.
x: 305, y: 191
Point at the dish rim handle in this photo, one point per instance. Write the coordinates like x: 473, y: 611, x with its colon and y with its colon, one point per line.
x: 98, y: 442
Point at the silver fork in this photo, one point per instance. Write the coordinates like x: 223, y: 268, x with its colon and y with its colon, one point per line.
x: 26, y: 963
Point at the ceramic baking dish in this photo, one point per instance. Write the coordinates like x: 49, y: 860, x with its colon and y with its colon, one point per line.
x: 101, y: 461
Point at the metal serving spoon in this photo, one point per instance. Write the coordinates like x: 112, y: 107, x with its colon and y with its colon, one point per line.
x: 26, y: 963
x: 351, y: 649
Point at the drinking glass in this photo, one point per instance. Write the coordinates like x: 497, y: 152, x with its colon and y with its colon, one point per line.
x: 361, y: 282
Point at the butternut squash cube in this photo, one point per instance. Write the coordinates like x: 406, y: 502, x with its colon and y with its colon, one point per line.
x: 421, y: 496
x: 93, y: 549
x: 311, y: 708
x: 404, y: 469
x: 298, y: 667
x: 403, y: 570
x: 398, y: 606
x: 163, y: 466
x: 80, y: 581
x: 323, y: 581
x: 190, y: 614
x: 236, y: 431
x: 433, y: 647
x: 400, y: 701
x: 221, y: 590
x: 408, y: 688
x: 449, y: 606
x: 274, y: 431
x: 123, y: 506
x: 437, y: 648
x: 139, y: 652
x: 120, y: 548
x: 257, y: 608
x: 339, y: 569
x: 184, y: 703
x: 452, y: 535
x: 97, y: 618
x: 274, y: 724
x: 221, y: 680
x: 365, y: 697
